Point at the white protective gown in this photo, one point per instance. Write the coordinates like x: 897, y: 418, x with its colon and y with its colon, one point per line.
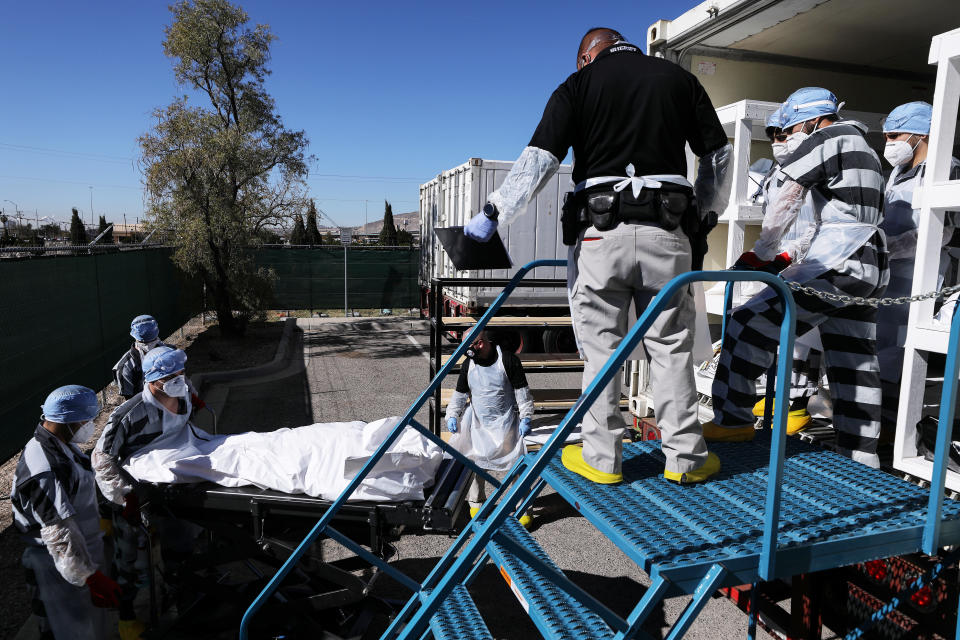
x: 69, y: 611
x: 490, y: 429
x: 900, y: 222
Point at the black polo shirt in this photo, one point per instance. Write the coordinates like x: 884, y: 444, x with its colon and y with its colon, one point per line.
x: 626, y: 107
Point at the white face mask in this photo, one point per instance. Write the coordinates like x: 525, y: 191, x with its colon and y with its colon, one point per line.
x: 780, y: 153
x: 83, y: 434
x: 143, y: 347
x: 899, y: 152
x: 794, y: 140
x: 176, y: 387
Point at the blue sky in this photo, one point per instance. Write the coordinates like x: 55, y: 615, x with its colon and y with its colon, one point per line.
x: 389, y: 93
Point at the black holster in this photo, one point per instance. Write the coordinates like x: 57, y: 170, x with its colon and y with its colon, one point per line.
x: 573, y: 217
x: 697, y: 228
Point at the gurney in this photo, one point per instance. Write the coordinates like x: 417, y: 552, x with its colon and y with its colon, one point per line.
x: 249, y: 532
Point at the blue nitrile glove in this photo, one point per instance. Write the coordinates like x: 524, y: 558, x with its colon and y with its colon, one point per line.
x: 452, y: 424
x: 480, y: 228
x: 525, y: 427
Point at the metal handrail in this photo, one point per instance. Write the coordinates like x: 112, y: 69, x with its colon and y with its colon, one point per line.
x: 453, y: 568
x: 948, y: 400
x: 407, y: 420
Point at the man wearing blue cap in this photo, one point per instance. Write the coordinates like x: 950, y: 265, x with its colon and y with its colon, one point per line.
x: 807, y: 351
x: 907, y: 130
x: 54, y: 501
x: 161, y: 409
x: 844, y: 253
x: 128, y: 372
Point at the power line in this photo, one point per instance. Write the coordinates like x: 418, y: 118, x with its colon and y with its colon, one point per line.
x: 84, y: 183
x: 82, y: 155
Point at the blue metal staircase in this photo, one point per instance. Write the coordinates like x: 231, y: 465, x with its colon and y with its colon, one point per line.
x: 779, y: 507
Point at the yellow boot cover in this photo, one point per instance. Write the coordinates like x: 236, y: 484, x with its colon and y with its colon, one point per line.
x: 715, y: 433
x: 474, y: 511
x: 797, y: 419
x: 709, y: 467
x: 572, y: 459
x: 525, y: 521
x: 131, y: 629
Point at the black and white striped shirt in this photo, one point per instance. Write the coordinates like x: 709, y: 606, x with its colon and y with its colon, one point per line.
x: 837, y: 163
x: 45, y: 483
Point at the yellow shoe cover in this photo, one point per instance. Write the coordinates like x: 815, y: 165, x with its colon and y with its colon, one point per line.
x: 759, y: 408
x: 474, y: 511
x: 715, y: 433
x: 572, y: 459
x: 797, y: 420
x: 131, y: 629
x: 525, y: 520
x: 709, y: 467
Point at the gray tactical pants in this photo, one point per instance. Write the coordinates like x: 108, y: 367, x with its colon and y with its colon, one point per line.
x: 630, y: 264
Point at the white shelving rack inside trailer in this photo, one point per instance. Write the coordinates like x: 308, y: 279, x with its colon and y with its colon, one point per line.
x: 935, y: 197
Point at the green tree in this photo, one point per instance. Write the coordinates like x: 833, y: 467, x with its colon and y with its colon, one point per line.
x: 216, y: 174
x: 404, y: 237
x: 78, y: 234
x: 388, y: 234
x: 313, y: 233
x: 299, y: 234
x: 329, y: 239
x: 108, y: 238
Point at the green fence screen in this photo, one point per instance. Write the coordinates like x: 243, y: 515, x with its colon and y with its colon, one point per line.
x: 66, y: 320
x: 313, y: 278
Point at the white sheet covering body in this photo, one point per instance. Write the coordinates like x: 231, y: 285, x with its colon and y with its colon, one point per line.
x: 318, y: 460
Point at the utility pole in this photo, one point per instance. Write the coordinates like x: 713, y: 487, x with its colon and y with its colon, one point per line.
x: 91, y: 206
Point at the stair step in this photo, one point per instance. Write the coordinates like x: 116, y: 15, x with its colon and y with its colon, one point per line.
x: 543, y: 399
x: 555, y: 612
x: 453, y: 322
x: 535, y: 361
x: 459, y: 619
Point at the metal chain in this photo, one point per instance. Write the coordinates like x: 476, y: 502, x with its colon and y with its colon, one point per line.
x: 871, y: 302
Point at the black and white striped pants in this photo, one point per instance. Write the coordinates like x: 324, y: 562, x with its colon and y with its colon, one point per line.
x: 848, y: 333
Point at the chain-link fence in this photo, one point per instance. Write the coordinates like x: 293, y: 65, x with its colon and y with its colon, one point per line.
x: 66, y: 320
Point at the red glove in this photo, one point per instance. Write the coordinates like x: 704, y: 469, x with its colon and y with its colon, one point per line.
x: 750, y: 262
x: 131, y: 508
x: 197, y: 402
x: 104, y: 592
x: 779, y: 263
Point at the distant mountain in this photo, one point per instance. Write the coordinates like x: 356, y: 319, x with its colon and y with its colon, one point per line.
x: 412, y: 220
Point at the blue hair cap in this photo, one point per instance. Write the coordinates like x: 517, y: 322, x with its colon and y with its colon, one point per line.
x: 144, y: 328
x: 163, y: 361
x: 913, y: 117
x: 806, y: 104
x: 72, y: 403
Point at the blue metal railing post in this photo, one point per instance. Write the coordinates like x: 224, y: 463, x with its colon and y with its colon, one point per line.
x: 948, y: 401
x: 334, y: 508
x: 452, y: 569
x: 727, y: 303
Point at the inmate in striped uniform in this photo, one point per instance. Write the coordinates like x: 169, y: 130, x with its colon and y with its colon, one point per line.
x: 839, y: 169
x: 53, y: 489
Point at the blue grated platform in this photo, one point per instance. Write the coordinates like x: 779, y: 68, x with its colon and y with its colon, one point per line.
x: 555, y: 612
x: 459, y: 619
x: 834, y: 512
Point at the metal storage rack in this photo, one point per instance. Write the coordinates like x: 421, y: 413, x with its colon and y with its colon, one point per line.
x: 937, y: 196
x: 545, y: 400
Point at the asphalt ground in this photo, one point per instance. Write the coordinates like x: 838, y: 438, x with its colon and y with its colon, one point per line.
x: 371, y: 369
